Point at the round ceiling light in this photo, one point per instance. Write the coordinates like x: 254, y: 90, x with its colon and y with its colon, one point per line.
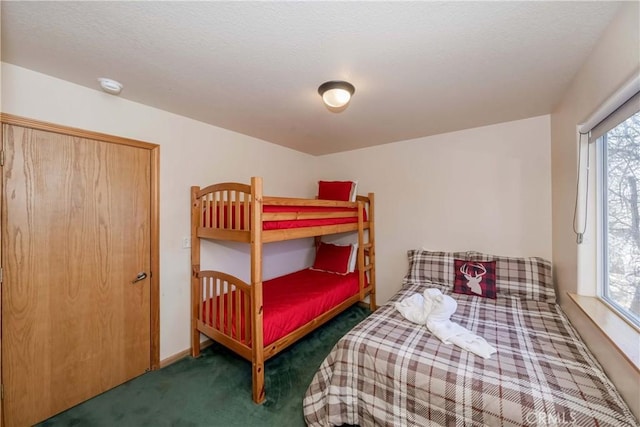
x: 336, y: 94
x: 110, y: 86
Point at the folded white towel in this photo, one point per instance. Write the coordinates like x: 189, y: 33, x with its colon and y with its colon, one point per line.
x: 413, y: 309
x: 429, y: 296
x: 449, y: 332
x: 443, y: 306
x: 473, y: 343
x: 434, y: 309
x: 445, y: 330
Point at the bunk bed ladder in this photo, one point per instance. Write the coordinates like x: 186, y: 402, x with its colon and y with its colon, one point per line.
x: 361, y: 250
x: 371, y: 252
x: 366, y: 253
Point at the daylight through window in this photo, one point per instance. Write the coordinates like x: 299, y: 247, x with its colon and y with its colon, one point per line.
x: 620, y: 220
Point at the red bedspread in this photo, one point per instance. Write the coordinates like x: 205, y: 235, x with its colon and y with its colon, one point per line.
x: 285, y: 224
x: 297, y: 223
x: 292, y: 300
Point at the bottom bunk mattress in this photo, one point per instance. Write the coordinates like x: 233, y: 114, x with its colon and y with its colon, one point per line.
x: 292, y: 300
x: 389, y: 371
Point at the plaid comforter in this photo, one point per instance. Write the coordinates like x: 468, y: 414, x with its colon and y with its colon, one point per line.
x: 390, y: 372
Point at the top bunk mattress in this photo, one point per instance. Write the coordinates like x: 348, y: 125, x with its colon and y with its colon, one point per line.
x: 297, y: 217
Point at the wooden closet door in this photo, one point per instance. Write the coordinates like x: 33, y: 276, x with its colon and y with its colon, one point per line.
x: 75, y: 234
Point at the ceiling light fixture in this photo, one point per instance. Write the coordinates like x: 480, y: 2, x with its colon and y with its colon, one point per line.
x: 336, y: 94
x: 110, y: 86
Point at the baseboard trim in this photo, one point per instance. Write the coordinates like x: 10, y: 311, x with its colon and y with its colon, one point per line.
x: 365, y: 305
x: 184, y: 353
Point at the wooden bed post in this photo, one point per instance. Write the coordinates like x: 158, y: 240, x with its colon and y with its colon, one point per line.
x: 256, y: 291
x: 372, y: 254
x: 196, y: 298
x: 361, y: 249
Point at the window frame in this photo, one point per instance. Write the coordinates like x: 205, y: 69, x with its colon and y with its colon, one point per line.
x: 602, y: 242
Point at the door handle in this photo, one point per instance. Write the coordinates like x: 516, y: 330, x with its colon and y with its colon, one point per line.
x: 139, y: 277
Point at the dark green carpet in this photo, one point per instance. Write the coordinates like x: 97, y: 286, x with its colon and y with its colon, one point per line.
x: 215, y: 389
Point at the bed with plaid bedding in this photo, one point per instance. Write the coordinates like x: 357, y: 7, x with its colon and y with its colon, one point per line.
x: 390, y: 372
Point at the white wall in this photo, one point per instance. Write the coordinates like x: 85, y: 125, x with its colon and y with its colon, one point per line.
x: 191, y: 153
x: 613, y: 61
x: 486, y: 189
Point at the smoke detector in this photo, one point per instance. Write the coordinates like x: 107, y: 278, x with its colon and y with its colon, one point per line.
x: 110, y: 86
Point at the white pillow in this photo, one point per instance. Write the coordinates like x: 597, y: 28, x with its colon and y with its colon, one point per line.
x: 353, y: 258
x: 354, y: 190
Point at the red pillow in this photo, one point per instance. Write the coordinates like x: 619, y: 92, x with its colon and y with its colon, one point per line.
x: 333, y: 258
x: 335, y: 190
x: 475, y: 278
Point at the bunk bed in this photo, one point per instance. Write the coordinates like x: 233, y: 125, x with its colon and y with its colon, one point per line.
x: 259, y: 319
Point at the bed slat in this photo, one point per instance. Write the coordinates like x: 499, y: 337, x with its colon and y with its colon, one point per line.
x: 247, y: 318
x: 247, y: 204
x: 220, y: 303
x: 230, y: 214
x: 238, y: 316
x: 206, y: 315
x: 214, y: 208
x: 215, y: 302
x: 229, y: 313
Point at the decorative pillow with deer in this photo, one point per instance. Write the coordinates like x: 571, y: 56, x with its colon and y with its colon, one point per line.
x: 475, y: 278
x: 526, y: 278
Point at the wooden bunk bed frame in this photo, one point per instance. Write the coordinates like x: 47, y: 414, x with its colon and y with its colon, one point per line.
x: 241, y: 302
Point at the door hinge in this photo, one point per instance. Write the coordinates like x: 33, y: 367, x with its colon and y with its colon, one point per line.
x: 1, y: 157
x: 1, y: 391
x: 0, y: 274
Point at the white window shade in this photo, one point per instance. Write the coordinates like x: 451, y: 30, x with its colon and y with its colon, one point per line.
x: 625, y: 111
x: 622, y: 104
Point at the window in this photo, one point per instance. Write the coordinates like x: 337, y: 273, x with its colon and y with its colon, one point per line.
x: 619, y: 204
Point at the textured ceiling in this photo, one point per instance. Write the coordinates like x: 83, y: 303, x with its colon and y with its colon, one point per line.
x: 419, y: 68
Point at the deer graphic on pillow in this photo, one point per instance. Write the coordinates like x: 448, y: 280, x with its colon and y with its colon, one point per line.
x: 473, y: 282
